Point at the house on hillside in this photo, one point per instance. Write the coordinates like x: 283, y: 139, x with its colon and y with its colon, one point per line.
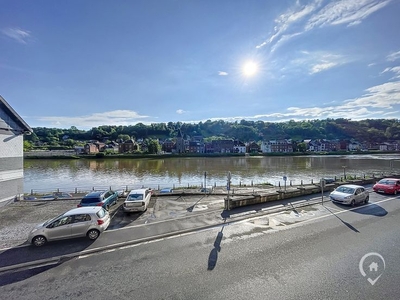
x: 12, y: 130
x: 128, y: 146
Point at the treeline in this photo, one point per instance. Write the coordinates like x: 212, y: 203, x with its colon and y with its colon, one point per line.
x: 369, y: 130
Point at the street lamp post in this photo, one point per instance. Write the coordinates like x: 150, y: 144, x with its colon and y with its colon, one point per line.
x: 228, y: 187
x: 344, y: 172
x: 205, y: 182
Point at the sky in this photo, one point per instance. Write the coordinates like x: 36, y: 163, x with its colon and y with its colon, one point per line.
x: 87, y: 63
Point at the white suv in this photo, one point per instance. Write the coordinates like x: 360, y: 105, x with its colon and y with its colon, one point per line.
x: 87, y: 221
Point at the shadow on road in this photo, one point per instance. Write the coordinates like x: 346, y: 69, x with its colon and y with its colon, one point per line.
x: 17, y: 276
x: 190, y: 208
x: 213, y: 257
x: 370, y: 209
x: 29, y: 254
x: 344, y: 222
x: 121, y: 219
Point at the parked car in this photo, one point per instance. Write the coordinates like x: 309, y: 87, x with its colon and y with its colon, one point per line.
x: 77, y: 222
x: 100, y: 198
x: 387, y: 186
x: 349, y: 194
x: 166, y: 191
x: 329, y: 180
x: 137, y: 200
x: 57, y: 195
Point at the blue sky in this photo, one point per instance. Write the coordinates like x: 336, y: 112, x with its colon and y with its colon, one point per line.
x: 91, y: 63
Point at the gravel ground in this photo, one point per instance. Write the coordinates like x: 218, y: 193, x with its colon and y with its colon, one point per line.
x: 18, y: 218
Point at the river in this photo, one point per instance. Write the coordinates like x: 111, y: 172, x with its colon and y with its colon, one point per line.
x: 85, y: 174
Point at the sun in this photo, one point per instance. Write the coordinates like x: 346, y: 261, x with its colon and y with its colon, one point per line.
x: 250, y: 68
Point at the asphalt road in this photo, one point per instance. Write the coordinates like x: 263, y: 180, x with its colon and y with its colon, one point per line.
x: 310, y: 253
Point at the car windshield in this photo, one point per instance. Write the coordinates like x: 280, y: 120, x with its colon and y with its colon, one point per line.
x: 101, y: 213
x: 90, y: 200
x: 51, y: 220
x: 387, y: 182
x: 345, y: 189
x: 134, y: 197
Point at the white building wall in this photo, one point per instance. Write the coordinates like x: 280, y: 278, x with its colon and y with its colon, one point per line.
x: 11, y: 166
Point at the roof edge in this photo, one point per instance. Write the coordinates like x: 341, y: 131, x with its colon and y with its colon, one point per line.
x: 26, y: 129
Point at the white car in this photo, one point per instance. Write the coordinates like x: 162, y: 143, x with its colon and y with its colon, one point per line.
x: 350, y: 194
x: 137, y: 200
x: 87, y: 221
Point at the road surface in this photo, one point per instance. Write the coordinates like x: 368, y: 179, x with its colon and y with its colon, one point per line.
x: 312, y: 253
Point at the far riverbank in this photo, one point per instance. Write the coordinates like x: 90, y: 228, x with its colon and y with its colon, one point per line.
x: 70, y: 154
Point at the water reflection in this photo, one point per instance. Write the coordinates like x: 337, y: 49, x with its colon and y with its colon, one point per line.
x: 51, y: 174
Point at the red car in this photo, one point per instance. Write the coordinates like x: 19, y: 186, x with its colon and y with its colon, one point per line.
x: 387, y: 186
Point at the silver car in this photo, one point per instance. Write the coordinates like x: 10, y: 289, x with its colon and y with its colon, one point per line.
x: 137, y: 200
x: 350, y: 194
x: 78, y: 222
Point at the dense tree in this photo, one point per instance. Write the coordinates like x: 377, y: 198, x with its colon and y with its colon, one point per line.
x: 370, y: 131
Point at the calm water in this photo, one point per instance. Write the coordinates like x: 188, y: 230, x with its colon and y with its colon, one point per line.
x: 48, y: 175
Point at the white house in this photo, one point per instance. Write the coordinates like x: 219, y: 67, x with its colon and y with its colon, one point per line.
x: 12, y: 130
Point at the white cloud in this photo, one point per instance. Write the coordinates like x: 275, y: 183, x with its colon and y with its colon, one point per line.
x: 116, y: 117
x: 318, y: 61
x: 286, y: 20
x: 322, y: 67
x: 301, y: 18
x: 180, y: 111
x: 393, y: 56
x: 17, y: 34
x: 395, y: 70
x: 222, y: 73
x: 348, y: 12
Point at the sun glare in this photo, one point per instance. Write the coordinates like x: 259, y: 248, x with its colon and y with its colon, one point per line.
x: 249, y: 69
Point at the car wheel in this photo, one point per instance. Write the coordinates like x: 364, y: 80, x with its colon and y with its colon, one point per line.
x: 107, y: 207
x: 366, y: 200
x: 395, y: 192
x: 39, y: 240
x: 353, y: 203
x: 93, y: 234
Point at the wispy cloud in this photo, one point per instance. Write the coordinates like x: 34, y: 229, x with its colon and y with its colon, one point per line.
x: 116, y: 117
x: 380, y: 100
x: 393, y: 56
x: 348, y: 12
x: 318, y: 61
x: 395, y: 70
x: 285, y: 21
x: 19, y: 35
x: 303, y: 18
x: 180, y: 111
x: 222, y: 73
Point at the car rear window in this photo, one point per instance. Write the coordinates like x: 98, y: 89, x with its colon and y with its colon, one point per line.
x: 90, y: 200
x: 134, y: 197
x: 101, y: 213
